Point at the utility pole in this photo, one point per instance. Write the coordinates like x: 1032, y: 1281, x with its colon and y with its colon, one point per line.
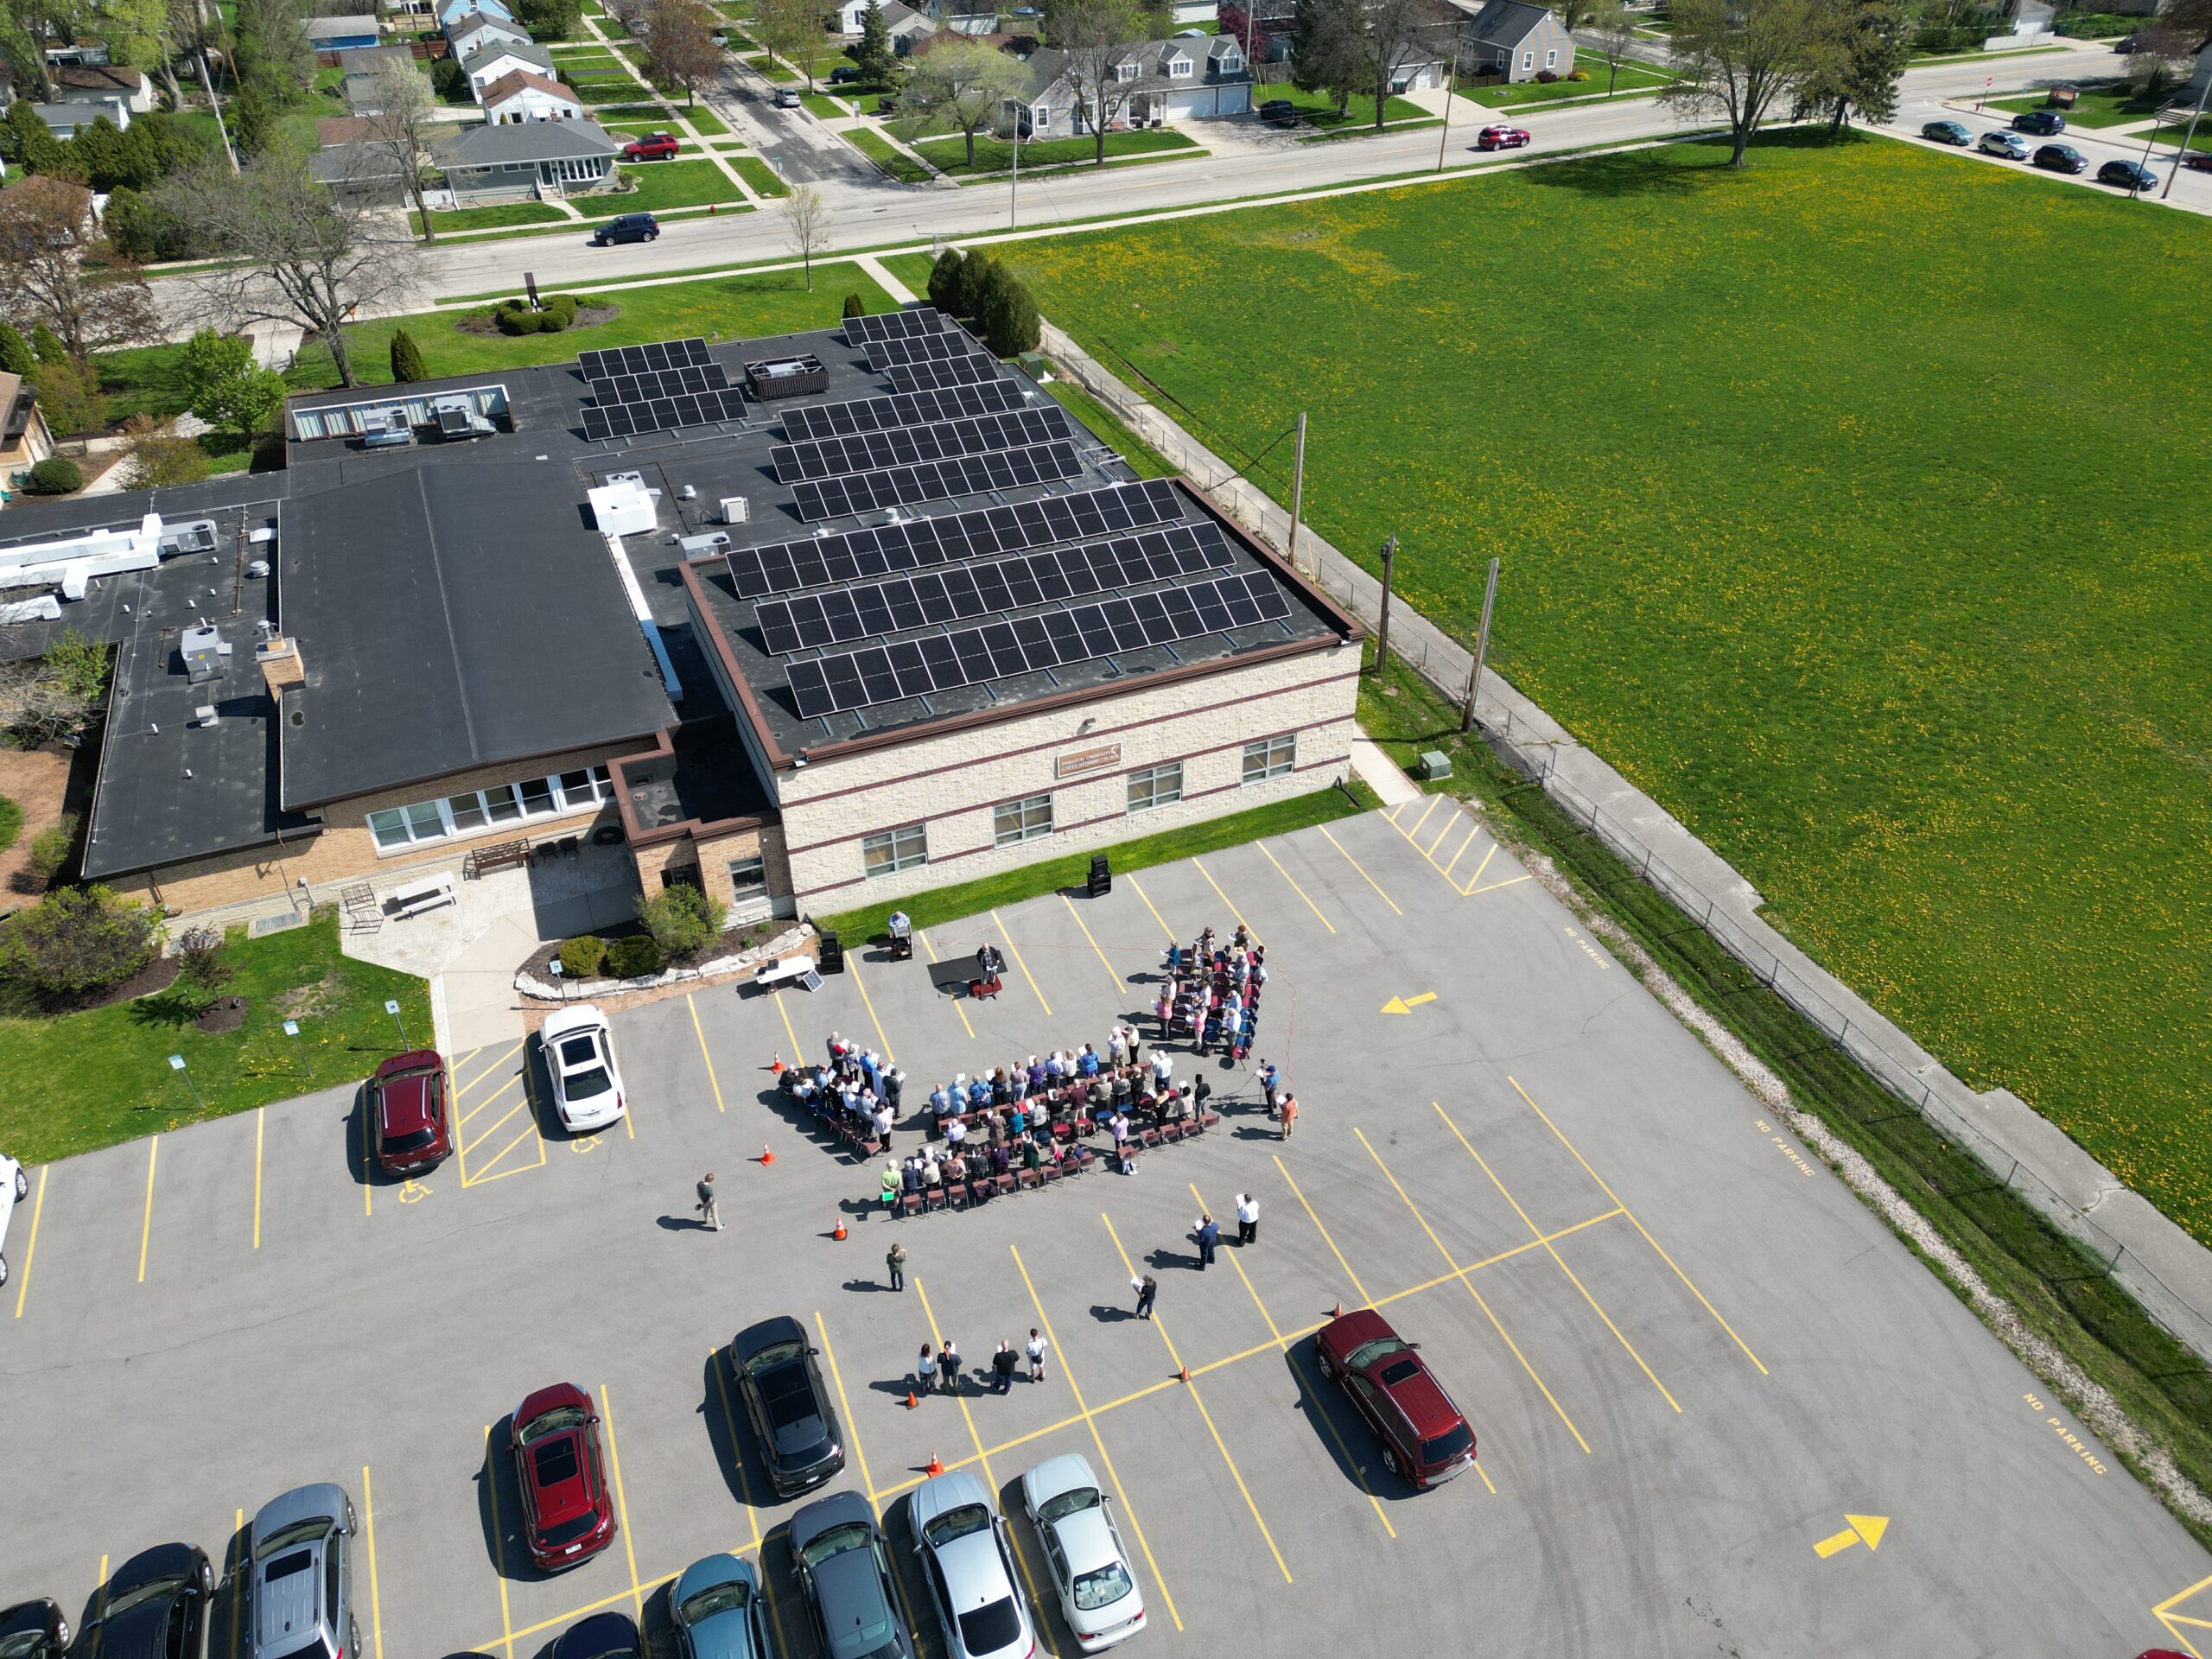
x: 1298, y: 495
x: 207, y: 84
x: 2195, y: 116
x: 1449, y: 76
x: 1382, y: 632
x: 1013, y: 190
x: 1482, y: 648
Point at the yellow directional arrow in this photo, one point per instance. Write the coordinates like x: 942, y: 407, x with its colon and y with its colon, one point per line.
x: 1864, y: 1529
x: 1407, y: 1004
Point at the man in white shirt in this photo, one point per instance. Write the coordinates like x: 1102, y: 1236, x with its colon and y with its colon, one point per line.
x: 1247, y: 1219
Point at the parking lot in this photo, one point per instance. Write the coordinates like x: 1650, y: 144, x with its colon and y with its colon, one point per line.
x: 1687, y: 1352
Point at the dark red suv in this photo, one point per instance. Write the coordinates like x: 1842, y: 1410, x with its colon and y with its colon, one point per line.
x: 409, y: 1126
x: 567, y: 1514
x: 1425, y: 1439
x: 650, y: 147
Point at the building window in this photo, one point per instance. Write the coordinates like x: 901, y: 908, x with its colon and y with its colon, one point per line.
x: 748, y: 879
x: 581, y: 789
x: 1023, y: 820
x: 1551, y: 57
x: 1271, y: 757
x: 461, y: 814
x: 1527, y: 60
x: 895, y: 850
x: 1179, y: 69
x: 1040, y: 117
x: 1125, y: 72
x: 1155, y: 786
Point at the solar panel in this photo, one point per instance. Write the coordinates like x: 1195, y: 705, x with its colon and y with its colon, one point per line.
x: 636, y: 359
x: 922, y: 349
x: 937, y: 480
x: 656, y: 388
x: 904, y: 446
x: 981, y: 532
x: 1027, y: 644
x: 895, y: 325
x: 907, y: 408
x: 976, y: 369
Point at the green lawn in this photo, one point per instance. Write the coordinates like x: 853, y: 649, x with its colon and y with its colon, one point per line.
x: 493, y: 217
x: 1144, y: 461
x: 1937, y: 691
x: 820, y: 103
x: 770, y: 68
x: 940, y: 905
x: 11, y: 822
x: 878, y: 148
x: 704, y: 120
x: 92, y: 1079
x: 1634, y: 78
x: 996, y: 154
x: 609, y: 90
x: 2098, y: 106
x: 758, y: 173
x: 664, y: 185
x: 1320, y: 110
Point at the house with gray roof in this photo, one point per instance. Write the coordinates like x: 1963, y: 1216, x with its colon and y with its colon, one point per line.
x: 472, y: 31
x: 360, y: 66
x: 508, y: 161
x: 340, y: 34
x: 1159, y: 83
x: 502, y: 58
x: 1514, y: 41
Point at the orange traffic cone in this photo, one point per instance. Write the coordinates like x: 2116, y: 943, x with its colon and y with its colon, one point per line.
x: 778, y: 1068
x: 911, y: 1401
x: 768, y: 1156
x: 1337, y: 1312
x: 934, y: 1466
x: 1182, y: 1373
x: 838, y: 1231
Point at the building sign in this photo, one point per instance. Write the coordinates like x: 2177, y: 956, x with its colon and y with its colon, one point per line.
x: 1104, y: 757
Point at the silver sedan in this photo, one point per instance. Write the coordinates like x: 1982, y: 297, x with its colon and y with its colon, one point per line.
x: 969, y: 1560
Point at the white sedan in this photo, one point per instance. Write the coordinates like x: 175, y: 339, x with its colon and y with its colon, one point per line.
x: 1089, y: 1563
x: 15, y: 1187
x: 579, y: 1057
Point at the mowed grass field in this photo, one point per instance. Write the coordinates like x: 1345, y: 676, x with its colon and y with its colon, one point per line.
x: 1852, y: 505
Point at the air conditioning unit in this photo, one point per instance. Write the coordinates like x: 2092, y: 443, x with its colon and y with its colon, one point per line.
x: 736, y: 510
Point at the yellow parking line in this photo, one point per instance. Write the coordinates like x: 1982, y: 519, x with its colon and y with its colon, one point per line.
x: 1149, y: 905
x: 1639, y: 1226
x: 1429, y: 851
x: 486, y: 1071
x: 520, y: 1105
x: 1226, y: 900
x: 1509, y: 881
x: 1024, y: 966
x: 1199, y: 1400
x: 368, y: 1191
x: 1090, y: 1422
x: 498, y: 1543
x: 1294, y: 888
x: 853, y: 968
x: 699, y: 1031
x: 745, y: 1486
x: 1425, y: 811
x: 146, y: 1233
x: 1102, y: 962
x: 1364, y: 875
x: 1283, y: 1343
x: 1473, y: 830
x: 845, y: 1406
x: 1489, y: 853
x: 38, y: 1209
x: 955, y: 1001
x: 1490, y: 1261
x: 621, y: 1503
x: 1472, y: 1292
x: 575, y: 1613
x: 798, y: 1055
x: 1359, y: 1289
x: 494, y: 1095
x: 260, y: 1121
x: 238, y: 1586
x: 369, y: 1530
x: 1538, y: 1233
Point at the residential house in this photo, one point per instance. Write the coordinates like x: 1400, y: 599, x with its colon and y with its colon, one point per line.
x: 340, y: 34
x: 475, y: 31
x: 95, y: 83
x: 506, y: 161
x: 1415, y: 68
x: 1513, y: 41
x: 503, y: 58
x: 360, y: 64
x: 905, y: 22
x: 524, y: 96
x: 67, y: 120
x: 450, y: 9
x: 353, y: 165
x: 1160, y: 82
x: 24, y: 440
x: 78, y: 52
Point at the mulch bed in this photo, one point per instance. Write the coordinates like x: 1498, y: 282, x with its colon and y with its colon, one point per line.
x: 226, y: 1013
x: 540, y: 961
x: 587, y: 316
x: 153, y: 979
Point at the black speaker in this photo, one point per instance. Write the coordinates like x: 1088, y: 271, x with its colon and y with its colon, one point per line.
x: 1102, y: 875
x: 833, y: 955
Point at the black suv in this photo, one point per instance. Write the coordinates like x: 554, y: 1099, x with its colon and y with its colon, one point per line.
x: 2061, y: 158
x: 626, y: 227
x: 2041, y: 124
x: 155, y: 1607
x: 1280, y: 112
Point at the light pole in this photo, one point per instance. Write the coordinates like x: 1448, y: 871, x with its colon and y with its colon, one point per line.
x: 1297, y: 496
x: 1382, y: 630
x: 2195, y: 115
x: 392, y: 1008
x: 1482, y: 649
x: 292, y: 1031
x: 176, y: 1065
x: 1449, y: 76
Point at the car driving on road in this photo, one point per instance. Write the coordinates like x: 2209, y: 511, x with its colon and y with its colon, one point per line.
x: 1501, y: 137
x: 568, y: 1512
x: 1084, y: 1552
x: 842, y: 1563
x: 787, y: 97
x: 790, y: 1410
x: 579, y: 1057
x: 969, y: 1560
x: 154, y: 1607
x: 1425, y: 1439
x: 409, y: 1127
x: 2010, y: 145
x: 626, y: 227
x: 300, y: 1582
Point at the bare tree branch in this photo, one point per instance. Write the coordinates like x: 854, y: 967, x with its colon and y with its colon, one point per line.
x: 57, y: 267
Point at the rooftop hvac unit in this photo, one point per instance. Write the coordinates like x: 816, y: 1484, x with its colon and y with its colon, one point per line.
x: 623, y: 506
x: 736, y: 510
x: 204, y: 652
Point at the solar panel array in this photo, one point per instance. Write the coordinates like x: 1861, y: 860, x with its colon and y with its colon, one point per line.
x: 941, y: 662
x: 909, y: 409
x: 965, y: 592
x: 637, y: 359
x: 895, y: 325
x: 977, y: 370
x: 937, y: 480
x: 905, y: 446
x: 656, y: 388
x: 861, y: 555
x: 922, y: 349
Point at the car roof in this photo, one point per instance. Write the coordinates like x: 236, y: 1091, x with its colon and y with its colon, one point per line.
x: 1419, y: 1395
x: 1085, y: 1539
x: 406, y: 1105
x: 728, y: 1634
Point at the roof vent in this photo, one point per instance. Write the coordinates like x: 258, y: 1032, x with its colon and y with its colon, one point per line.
x: 206, y: 714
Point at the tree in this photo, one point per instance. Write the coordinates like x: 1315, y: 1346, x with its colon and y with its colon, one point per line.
x: 58, y: 271
x: 944, y: 282
x: 202, y: 963
x: 79, y: 940
x: 854, y: 306
x: 94, y: 157
x: 791, y: 29
x: 1735, y: 57
x: 270, y: 56
x: 140, y: 228
x: 680, y: 46
x: 806, y: 225
x: 1007, y: 314
x: 1238, y: 23
x: 1394, y: 31
x: 407, y: 365
x: 15, y: 351
x: 681, y: 918
x: 54, y: 694
x: 1854, y: 66
x: 308, y: 256
x: 224, y: 387
x: 1610, y: 31
x: 25, y: 26
x: 1092, y: 33
x: 31, y: 141
x: 961, y: 84
x: 1328, y: 51
x: 55, y: 475
x: 46, y: 344
x: 552, y: 20
x: 158, y: 457
x: 69, y: 395
x: 877, y: 57
x: 400, y: 130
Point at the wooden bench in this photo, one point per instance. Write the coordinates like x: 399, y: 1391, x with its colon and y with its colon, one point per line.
x: 498, y: 855
x: 413, y: 898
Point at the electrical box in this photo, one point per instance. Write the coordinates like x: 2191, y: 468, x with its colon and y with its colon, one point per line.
x: 736, y: 510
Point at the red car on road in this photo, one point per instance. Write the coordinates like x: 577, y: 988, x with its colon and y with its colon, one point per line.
x: 409, y: 1127
x: 652, y: 147
x: 1425, y: 1439
x: 567, y: 1514
x: 1501, y: 138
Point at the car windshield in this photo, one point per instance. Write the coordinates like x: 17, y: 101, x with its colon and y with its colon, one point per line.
x: 583, y: 1085
x: 549, y: 1422
x: 300, y: 1532
x: 716, y: 1598
x: 1368, y: 1352
x: 1445, y: 1447
x: 568, y: 1531
x: 313, y: 1650
x: 415, y: 1140
x: 152, y: 1590
x: 22, y: 1644
x: 1102, y: 1588
x: 989, y: 1629
x: 1398, y: 1371
x: 836, y: 1542
x: 776, y: 1353
x: 955, y: 1524
x: 1068, y: 1503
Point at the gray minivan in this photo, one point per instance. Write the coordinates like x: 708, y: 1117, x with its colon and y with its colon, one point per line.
x: 300, y: 1590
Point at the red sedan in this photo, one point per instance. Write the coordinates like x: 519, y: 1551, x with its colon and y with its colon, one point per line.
x: 1425, y: 1439
x: 1501, y: 138
x: 567, y: 1513
x: 652, y: 147
x: 409, y: 1126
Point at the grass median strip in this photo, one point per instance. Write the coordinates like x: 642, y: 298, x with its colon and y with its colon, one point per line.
x: 893, y: 162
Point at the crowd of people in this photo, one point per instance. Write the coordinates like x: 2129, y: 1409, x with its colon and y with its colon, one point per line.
x: 855, y: 1091
x: 1209, y: 993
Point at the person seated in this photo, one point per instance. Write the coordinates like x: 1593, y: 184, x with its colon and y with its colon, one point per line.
x: 956, y: 1131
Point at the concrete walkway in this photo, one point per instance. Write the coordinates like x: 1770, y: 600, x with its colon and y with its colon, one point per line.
x: 676, y: 115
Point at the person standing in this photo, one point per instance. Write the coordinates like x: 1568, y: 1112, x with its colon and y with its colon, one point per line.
x: 1270, y: 1081
x: 1146, y: 1288
x: 1035, y: 1350
x: 1247, y: 1219
x: 1002, y: 1364
x: 710, y: 1215
x: 948, y: 1365
x: 895, y: 1259
x: 925, y: 1370
x: 1207, y: 1235
x: 1289, y: 1113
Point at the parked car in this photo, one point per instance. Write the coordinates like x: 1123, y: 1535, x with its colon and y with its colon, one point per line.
x: 1281, y: 112
x: 300, y: 1580
x: 627, y: 227
x: 2061, y: 158
x: 2010, y: 145
x: 844, y: 74
x: 154, y: 1607
x: 787, y: 97
x: 2128, y: 175
x: 579, y: 1057
x: 1947, y: 132
x: 2198, y: 160
x: 409, y: 1129
x: 15, y: 1187
x: 969, y: 1560
x: 1425, y: 1441
x: 603, y: 1635
x: 1501, y: 138
x: 2043, y: 123
x: 652, y: 147
x: 842, y: 1562
x: 792, y: 1415
x: 1084, y: 1552
x: 567, y: 1510
x: 715, y: 1607
x: 33, y: 1629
